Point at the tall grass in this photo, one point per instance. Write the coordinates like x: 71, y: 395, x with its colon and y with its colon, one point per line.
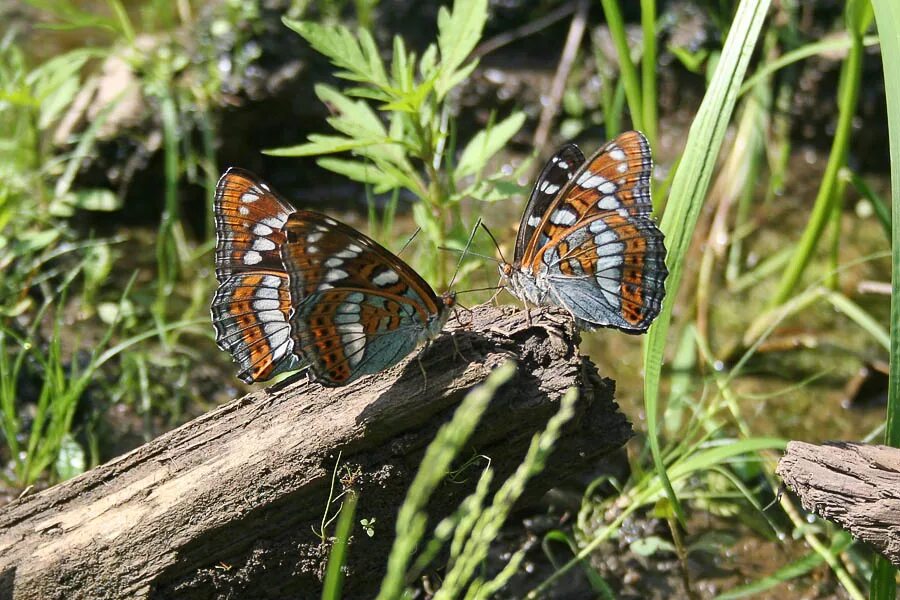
x: 687, y: 196
x: 887, y: 16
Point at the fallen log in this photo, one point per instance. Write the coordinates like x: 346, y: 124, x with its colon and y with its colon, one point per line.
x: 227, y: 504
x: 854, y: 485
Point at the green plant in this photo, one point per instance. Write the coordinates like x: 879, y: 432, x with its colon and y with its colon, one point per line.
x: 887, y: 15
x: 397, y: 122
x: 475, y: 524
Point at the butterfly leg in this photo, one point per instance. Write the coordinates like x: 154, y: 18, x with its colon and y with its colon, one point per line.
x: 424, y: 375
x: 456, y: 351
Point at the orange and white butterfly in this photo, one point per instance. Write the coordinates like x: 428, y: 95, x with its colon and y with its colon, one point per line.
x: 587, y: 241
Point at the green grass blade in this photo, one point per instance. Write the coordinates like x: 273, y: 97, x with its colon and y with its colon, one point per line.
x: 887, y: 18
x: 687, y: 195
x: 648, y: 70
x: 411, y: 519
x: 334, y: 576
x: 851, y: 78
x: 626, y: 67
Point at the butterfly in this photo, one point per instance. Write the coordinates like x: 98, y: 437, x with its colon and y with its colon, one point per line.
x: 298, y: 289
x: 587, y: 242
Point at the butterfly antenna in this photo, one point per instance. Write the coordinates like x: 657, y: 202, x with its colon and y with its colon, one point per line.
x: 458, y: 251
x: 464, y: 252
x: 409, y: 241
x: 493, y: 239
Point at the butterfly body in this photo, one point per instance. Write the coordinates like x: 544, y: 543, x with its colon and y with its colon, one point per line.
x: 299, y: 289
x: 587, y: 241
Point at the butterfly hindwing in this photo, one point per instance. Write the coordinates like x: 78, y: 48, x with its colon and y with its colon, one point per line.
x: 553, y: 178
x: 250, y: 312
x: 362, y: 308
x: 348, y: 333
x: 610, y: 272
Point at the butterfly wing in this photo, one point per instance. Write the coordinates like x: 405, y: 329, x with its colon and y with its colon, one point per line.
x: 363, y: 308
x: 610, y: 272
x: 251, y: 307
x: 597, y: 246
x: 553, y: 178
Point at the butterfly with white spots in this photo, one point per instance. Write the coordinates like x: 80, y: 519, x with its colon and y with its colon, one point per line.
x: 298, y: 289
x: 587, y: 241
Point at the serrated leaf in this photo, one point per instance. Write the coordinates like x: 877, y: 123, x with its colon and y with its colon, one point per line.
x: 428, y: 63
x: 322, y: 144
x: 364, y: 172
x: 358, y: 57
x: 458, y: 33
x: 487, y: 143
x: 354, y: 118
x: 368, y: 93
x: 399, y: 66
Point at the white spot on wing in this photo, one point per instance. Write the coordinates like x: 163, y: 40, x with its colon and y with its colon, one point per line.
x: 385, y: 278
x: 271, y: 281
x: 335, y: 275
x: 617, y: 154
x: 563, y: 216
x: 243, y: 210
x: 348, y: 253
x: 608, y: 203
x: 266, y: 304
x: 314, y: 237
x: 534, y: 220
x: 270, y: 316
x: 252, y: 257
x: 249, y: 197
x: 334, y: 262
x: 267, y: 292
x: 263, y: 244
x: 262, y: 229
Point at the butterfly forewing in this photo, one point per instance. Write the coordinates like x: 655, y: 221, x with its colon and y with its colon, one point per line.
x: 250, y: 222
x: 552, y: 179
x: 616, y: 177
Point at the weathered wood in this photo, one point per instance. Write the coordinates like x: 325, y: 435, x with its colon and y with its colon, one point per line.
x: 854, y: 485
x: 224, y: 506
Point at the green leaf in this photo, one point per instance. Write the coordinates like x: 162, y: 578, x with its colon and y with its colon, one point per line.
x: 492, y: 189
x: 359, y: 57
x: 95, y: 199
x: 487, y: 143
x: 887, y: 18
x: 649, y: 546
x: 321, y: 144
x: 458, y: 33
x: 354, y: 118
x: 364, y: 172
x: 71, y: 460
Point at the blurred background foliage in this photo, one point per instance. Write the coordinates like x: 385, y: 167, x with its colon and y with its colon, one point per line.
x: 117, y: 117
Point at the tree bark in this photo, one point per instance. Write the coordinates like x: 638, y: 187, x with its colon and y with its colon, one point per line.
x: 226, y: 505
x: 854, y: 485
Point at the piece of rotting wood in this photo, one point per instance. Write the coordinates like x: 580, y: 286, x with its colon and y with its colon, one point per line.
x: 854, y: 485
x: 227, y: 504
